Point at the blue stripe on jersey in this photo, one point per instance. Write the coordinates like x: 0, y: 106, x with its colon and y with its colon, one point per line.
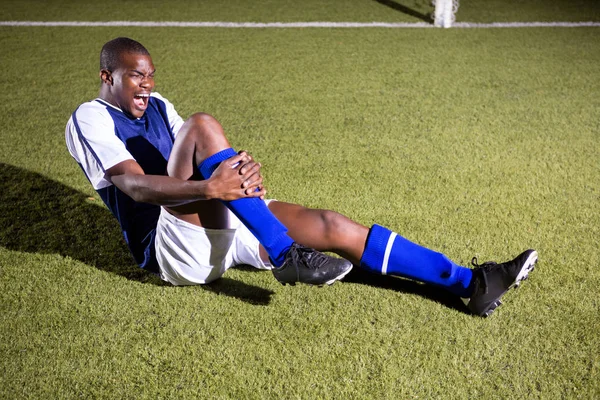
x: 150, y: 140
x: 84, y: 140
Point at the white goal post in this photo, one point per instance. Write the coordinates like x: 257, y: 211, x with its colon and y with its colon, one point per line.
x: 443, y: 16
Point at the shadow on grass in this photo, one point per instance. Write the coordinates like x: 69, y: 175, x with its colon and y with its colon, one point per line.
x: 40, y: 215
x: 440, y: 296
x: 405, y: 10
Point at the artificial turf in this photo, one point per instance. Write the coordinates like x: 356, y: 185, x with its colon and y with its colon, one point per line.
x: 472, y: 142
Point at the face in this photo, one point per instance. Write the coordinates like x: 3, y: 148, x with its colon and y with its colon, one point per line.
x: 129, y: 86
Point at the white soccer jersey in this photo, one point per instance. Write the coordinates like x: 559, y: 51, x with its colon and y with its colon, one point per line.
x: 99, y: 136
x: 91, y: 139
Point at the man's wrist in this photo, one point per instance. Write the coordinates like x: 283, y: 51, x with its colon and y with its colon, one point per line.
x: 208, y: 189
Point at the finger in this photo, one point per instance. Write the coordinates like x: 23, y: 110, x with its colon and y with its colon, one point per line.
x: 246, y: 166
x: 245, y: 153
x: 256, y: 193
x: 245, y: 160
x: 262, y: 191
x: 253, y: 182
x: 252, y: 178
x: 235, y: 160
x: 250, y: 168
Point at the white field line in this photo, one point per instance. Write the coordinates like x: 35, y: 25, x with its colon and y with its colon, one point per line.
x: 181, y: 24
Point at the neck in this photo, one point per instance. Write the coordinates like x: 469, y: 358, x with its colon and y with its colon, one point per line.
x: 106, y: 95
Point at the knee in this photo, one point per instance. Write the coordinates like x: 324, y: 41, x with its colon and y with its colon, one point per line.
x: 201, y: 119
x: 203, y: 128
x: 203, y: 123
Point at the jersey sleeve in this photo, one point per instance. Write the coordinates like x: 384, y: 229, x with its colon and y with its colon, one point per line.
x: 91, y: 140
x: 175, y: 121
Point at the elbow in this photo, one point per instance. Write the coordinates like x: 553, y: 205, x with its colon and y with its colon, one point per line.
x: 138, y: 196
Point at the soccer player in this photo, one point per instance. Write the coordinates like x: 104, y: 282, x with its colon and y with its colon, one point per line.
x: 190, y: 207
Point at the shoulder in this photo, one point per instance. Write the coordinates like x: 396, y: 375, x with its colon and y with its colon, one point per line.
x: 89, y: 120
x: 92, y: 112
x: 93, y: 106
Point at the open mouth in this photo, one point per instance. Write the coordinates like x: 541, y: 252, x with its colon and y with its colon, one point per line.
x: 141, y: 100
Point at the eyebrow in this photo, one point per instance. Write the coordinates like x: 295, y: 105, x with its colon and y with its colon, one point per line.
x: 141, y: 73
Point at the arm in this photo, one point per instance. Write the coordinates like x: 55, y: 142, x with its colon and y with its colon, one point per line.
x: 105, y: 160
x: 235, y: 178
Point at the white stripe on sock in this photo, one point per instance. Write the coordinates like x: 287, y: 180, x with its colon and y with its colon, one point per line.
x: 388, y: 250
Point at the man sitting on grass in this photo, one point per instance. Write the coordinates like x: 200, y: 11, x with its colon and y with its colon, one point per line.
x: 190, y: 207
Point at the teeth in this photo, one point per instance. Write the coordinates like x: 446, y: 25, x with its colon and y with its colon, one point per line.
x: 142, y: 95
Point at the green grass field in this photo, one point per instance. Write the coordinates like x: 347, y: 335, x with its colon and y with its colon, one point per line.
x: 474, y: 142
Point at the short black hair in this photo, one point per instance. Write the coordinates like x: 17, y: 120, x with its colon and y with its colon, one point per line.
x: 112, y: 50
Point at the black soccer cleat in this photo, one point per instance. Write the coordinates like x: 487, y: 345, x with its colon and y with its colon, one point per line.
x: 306, y: 265
x: 492, y: 281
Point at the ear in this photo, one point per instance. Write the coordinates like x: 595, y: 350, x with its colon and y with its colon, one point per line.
x: 106, y: 76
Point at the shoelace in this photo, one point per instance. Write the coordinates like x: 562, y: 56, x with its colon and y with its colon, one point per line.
x: 475, y: 263
x: 305, y: 255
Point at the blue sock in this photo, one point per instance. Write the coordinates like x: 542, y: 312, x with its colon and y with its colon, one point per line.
x: 390, y: 254
x: 254, y: 214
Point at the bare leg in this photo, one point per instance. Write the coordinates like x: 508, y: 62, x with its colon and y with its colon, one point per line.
x: 200, y: 137
x: 201, y: 143
x: 323, y: 230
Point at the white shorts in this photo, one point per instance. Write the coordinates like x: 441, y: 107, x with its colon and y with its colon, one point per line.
x: 190, y: 255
